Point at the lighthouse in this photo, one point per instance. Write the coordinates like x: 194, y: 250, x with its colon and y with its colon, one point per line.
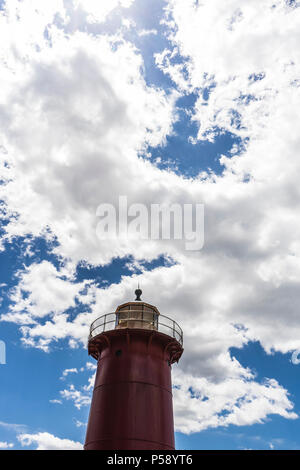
x: 132, y: 408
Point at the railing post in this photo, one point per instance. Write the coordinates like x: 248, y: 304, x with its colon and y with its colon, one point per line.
x: 104, y: 326
x: 174, y: 330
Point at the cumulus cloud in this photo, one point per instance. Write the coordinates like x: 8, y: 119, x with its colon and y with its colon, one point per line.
x: 46, y: 441
x: 102, y: 103
x: 79, y: 397
x: 147, y: 32
x: 95, y: 113
x: 42, y: 283
x: 98, y: 11
x: 43, y: 291
x: 200, y: 404
x: 55, y: 401
x: 79, y: 424
x: 67, y: 372
x: 77, y: 114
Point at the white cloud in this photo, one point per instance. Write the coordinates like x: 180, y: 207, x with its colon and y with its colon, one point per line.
x: 13, y: 427
x: 102, y: 103
x: 80, y: 398
x: 200, y: 404
x: 147, y: 32
x: 56, y: 402
x: 79, y: 424
x: 44, y: 291
x: 226, y: 47
x: 91, y: 366
x: 46, y: 441
x: 66, y: 372
x: 89, y: 114
x: 97, y: 12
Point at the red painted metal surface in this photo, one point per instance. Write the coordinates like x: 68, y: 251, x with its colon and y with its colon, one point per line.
x: 132, y: 399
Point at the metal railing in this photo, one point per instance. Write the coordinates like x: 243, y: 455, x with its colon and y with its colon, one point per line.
x: 160, y: 323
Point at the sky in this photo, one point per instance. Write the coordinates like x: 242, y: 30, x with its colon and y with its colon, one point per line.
x: 164, y: 102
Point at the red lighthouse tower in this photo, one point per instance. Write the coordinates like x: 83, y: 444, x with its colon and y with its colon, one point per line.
x: 132, y: 400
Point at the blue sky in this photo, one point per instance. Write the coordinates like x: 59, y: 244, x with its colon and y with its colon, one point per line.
x: 163, y: 102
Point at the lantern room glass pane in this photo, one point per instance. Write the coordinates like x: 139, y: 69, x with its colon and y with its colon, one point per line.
x: 137, y: 318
